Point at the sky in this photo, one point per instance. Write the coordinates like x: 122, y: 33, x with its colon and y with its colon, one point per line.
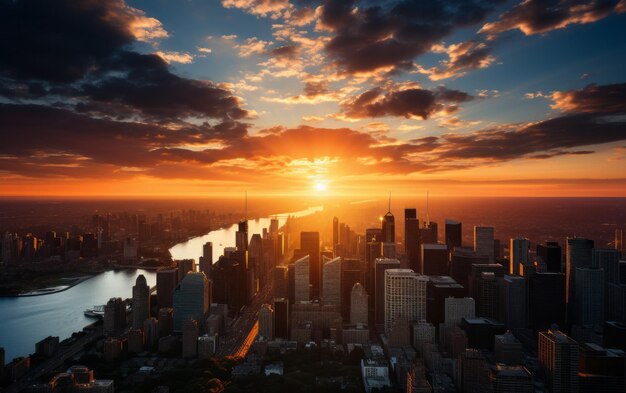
x: 194, y: 98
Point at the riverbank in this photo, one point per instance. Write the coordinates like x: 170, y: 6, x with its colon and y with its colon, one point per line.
x: 70, y: 282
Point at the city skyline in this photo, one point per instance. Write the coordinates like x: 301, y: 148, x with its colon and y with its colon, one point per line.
x: 327, y: 98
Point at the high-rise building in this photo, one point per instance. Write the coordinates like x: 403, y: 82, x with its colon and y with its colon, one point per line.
x: 281, y: 318
x: 487, y: 293
x: 438, y: 289
x: 185, y: 266
x: 558, y: 359
x: 141, y: 302
x: 310, y: 245
x: 266, y: 322
x: 151, y: 332
x: 458, y: 308
x: 484, y: 242
x: 389, y: 228
x: 280, y: 281
x: 331, y: 282
x: 206, y: 260
x: 550, y: 255
x: 335, y: 233
x: 358, y: 305
x: 589, y: 303
x: 577, y: 254
x: 454, y: 234
x: 518, y: 249
x: 473, y: 373
x: 191, y: 299
x: 514, y: 302
x: 620, y: 241
x: 546, y: 299
x: 135, y: 341
x: 434, y: 259
x: 411, y: 238
x: 166, y: 321
x: 167, y: 280
x: 511, y: 379
x: 607, y: 260
x: 190, y: 338
x: 114, y: 316
x: 507, y: 349
x: 461, y: 262
x: 381, y: 265
x: 241, y: 236
x: 405, y: 296
x: 301, y: 279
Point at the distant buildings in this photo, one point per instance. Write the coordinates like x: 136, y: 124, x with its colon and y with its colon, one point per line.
x: 518, y: 248
x: 484, y: 242
x: 454, y: 233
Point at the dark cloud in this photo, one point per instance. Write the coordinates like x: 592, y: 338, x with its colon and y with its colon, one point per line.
x: 369, y: 36
x: 540, y: 16
x: 314, y: 89
x: 411, y: 102
x: 285, y: 51
x: 592, y: 99
x: 78, y: 53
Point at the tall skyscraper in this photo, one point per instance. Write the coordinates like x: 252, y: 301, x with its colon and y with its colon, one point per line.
x: 281, y: 318
x: 589, y: 302
x: 141, y: 302
x: 518, y: 254
x: 577, y: 254
x: 434, y: 259
x: 310, y: 245
x: 411, y: 238
x: 550, y: 254
x: 206, y: 260
x: 241, y: 236
x: 558, y: 358
x: 405, y: 297
x: 483, y: 242
x: 301, y: 279
x: 514, y: 302
x: 114, y: 316
x: 191, y: 299
x: 166, y: 321
x: 331, y: 282
x: 389, y: 226
x: 266, y: 322
x: 546, y: 299
x: 280, y: 281
x: 454, y: 233
x: 358, y: 305
x: 381, y: 265
x: 167, y: 280
x: 458, y: 308
x: 335, y: 234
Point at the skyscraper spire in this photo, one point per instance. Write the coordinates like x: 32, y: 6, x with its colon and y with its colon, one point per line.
x: 389, y: 210
x: 427, y: 216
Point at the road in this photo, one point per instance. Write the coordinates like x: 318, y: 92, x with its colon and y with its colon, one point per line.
x: 54, y: 362
x: 244, y: 329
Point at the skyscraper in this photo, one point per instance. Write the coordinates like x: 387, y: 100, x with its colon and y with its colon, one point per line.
x: 190, y: 338
x: 550, y: 254
x: 301, y: 279
x: 483, y: 242
x: 266, y: 322
x: 381, y: 265
x: 577, y: 254
x: 281, y: 318
x: 335, y: 234
x: 358, y: 305
x: 191, y: 299
x: 589, y: 302
x: 514, y: 302
x: 331, y: 282
x: 206, y: 260
x: 411, y: 238
x: 280, y: 281
x: 167, y: 280
x: 389, y: 226
x: 310, y: 245
x: 558, y: 358
x: 434, y: 259
x: 405, y: 297
x: 114, y: 316
x: 518, y: 254
x: 141, y: 302
x: 454, y: 233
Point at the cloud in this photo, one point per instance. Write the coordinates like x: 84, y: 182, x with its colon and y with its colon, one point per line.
x: 372, y: 37
x: 606, y: 99
x: 176, y: 57
x: 404, y: 102
x: 462, y: 57
x: 271, y: 8
x: 204, y: 50
x: 541, y: 16
x: 252, y: 46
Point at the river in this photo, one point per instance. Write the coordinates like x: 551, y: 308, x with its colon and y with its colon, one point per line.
x: 26, y: 320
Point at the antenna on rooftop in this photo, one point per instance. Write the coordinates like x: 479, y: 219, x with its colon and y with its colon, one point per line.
x: 427, y: 216
x: 389, y: 202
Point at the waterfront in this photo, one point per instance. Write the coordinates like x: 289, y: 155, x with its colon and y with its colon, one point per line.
x: 26, y: 320
x: 225, y: 237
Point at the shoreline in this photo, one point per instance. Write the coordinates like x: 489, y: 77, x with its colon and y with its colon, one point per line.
x: 55, y: 289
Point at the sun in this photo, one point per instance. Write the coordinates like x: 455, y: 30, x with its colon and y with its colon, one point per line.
x: 321, y: 187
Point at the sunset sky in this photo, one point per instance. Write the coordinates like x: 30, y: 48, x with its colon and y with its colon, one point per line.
x: 292, y: 97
